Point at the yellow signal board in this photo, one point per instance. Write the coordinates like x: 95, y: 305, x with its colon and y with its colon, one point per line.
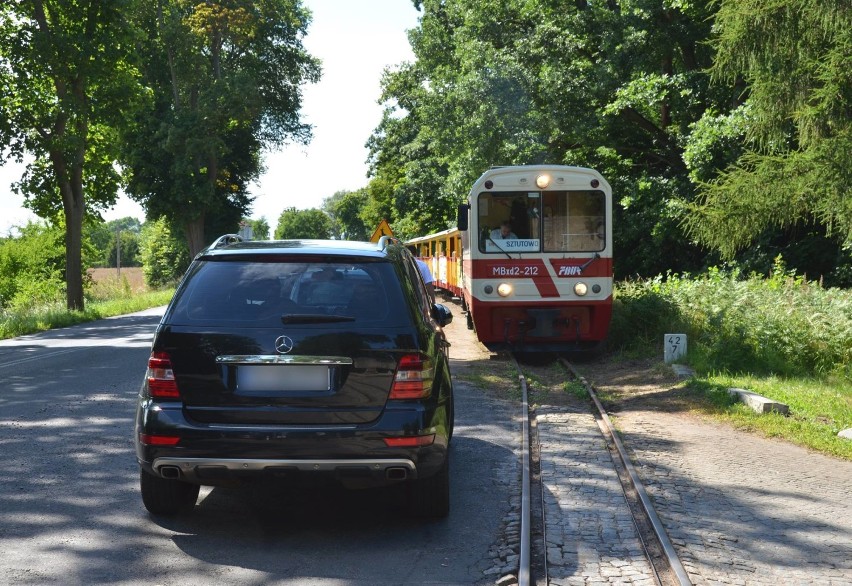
x: 383, y: 230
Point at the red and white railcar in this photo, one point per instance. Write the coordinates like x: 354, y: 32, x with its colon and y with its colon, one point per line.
x: 548, y: 285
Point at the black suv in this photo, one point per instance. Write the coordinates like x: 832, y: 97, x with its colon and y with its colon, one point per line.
x: 299, y: 361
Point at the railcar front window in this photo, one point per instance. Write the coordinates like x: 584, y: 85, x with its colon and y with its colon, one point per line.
x: 509, y: 221
x: 541, y: 221
x: 573, y: 221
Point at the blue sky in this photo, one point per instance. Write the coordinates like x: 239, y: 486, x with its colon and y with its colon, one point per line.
x: 356, y: 40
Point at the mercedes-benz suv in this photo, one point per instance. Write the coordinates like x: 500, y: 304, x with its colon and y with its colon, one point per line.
x: 297, y: 360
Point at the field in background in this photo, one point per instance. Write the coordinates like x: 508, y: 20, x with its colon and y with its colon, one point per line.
x: 108, y: 281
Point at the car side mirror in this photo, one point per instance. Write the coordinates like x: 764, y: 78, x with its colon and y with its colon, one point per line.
x: 461, y: 218
x: 441, y: 314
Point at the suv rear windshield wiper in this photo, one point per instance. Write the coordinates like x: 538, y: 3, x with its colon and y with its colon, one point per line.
x: 314, y: 318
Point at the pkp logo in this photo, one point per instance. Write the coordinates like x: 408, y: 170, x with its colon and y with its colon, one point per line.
x: 570, y: 271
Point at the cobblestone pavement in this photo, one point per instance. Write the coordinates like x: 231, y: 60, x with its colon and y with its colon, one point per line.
x: 739, y: 508
x: 742, y: 509
x: 591, y: 538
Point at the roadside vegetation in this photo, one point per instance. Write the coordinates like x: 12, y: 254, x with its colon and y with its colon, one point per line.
x: 32, y: 264
x: 21, y: 321
x: 783, y: 337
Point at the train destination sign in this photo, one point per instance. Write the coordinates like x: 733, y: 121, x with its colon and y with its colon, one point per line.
x: 512, y: 245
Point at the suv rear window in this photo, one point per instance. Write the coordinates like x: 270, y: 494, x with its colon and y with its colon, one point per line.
x: 261, y: 294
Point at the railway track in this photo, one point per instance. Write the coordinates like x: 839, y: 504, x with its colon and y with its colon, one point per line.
x: 660, y: 559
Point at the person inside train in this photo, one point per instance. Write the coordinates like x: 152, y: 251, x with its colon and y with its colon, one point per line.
x: 504, y: 232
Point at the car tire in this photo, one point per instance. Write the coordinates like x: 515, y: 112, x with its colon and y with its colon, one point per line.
x: 430, y: 497
x: 164, y: 496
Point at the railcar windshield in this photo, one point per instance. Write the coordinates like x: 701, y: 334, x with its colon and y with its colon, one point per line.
x: 542, y: 221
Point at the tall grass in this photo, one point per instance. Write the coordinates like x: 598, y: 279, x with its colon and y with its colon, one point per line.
x: 20, y: 321
x: 782, y: 325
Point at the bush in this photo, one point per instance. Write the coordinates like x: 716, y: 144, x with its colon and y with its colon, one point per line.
x: 164, y: 257
x: 782, y: 325
x: 32, y: 267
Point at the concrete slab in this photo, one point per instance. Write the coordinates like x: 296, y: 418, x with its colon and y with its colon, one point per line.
x: 683, y: 371
x: 758, y: 403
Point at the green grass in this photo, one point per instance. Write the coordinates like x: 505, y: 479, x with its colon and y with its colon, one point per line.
x: 30, y: 320
x: 819, y: 409
x: 576, y: 389
x: 497, y: 376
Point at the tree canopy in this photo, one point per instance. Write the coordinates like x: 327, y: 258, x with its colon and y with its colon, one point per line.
x: 345, y: 209
x: 225, y: 80
x: 183, y: 95
x: 722, y: 126
x: 793, y: 57
x: 66, y: 84
x: 303, y: 224
x: 612, y: 85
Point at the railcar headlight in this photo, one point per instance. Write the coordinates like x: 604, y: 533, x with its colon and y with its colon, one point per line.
x: 596, y: 288
x: 504, y: 289
x: 542, y: 181
x: 488, y: 289
x: 580, y: 289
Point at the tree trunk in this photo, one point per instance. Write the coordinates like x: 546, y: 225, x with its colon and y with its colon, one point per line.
x: 73, y: 207
x: 73, y: 257
x: 194, y: 230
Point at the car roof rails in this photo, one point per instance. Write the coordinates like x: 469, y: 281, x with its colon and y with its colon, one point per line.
x: 385, y: 240
x: 225, y: 240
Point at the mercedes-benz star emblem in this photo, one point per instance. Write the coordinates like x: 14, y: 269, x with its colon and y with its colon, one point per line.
x: 283, y: 344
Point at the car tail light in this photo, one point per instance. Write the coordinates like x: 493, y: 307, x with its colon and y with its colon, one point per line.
x: 161, y: 377
x: 410, y: 441
x: 158, y: 440
x: 413, y: 378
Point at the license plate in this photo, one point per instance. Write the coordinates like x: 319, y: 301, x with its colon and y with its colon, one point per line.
x: 285, y: 378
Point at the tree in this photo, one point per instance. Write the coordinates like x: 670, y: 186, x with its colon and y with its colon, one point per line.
x: 344, y: 208
x: 31, y: 266
x: 259, y: 228
x: 105, y: 235
x: 226, y: 79
x: 612, y: 85
x: 164, y: 257
x: 793, y: 57
x: 303, y: 224
x: 65, y: 86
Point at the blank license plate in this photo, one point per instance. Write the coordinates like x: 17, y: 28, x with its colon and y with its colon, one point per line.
x: 253, y: 378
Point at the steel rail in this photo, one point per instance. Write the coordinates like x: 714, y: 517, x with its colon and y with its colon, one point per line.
x: 657, y: 525
x: 526, y: 529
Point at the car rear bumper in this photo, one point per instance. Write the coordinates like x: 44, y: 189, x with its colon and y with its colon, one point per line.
x: 213, y: 470
x: 357, y: 456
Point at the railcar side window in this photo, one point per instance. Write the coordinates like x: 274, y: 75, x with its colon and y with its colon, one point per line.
x: 542, y: 221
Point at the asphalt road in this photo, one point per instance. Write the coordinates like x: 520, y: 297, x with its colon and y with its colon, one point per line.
x: 70, y: 511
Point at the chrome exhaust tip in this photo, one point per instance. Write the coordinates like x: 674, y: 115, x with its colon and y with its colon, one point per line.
x: 396, y: 473
x: 170, y: 472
